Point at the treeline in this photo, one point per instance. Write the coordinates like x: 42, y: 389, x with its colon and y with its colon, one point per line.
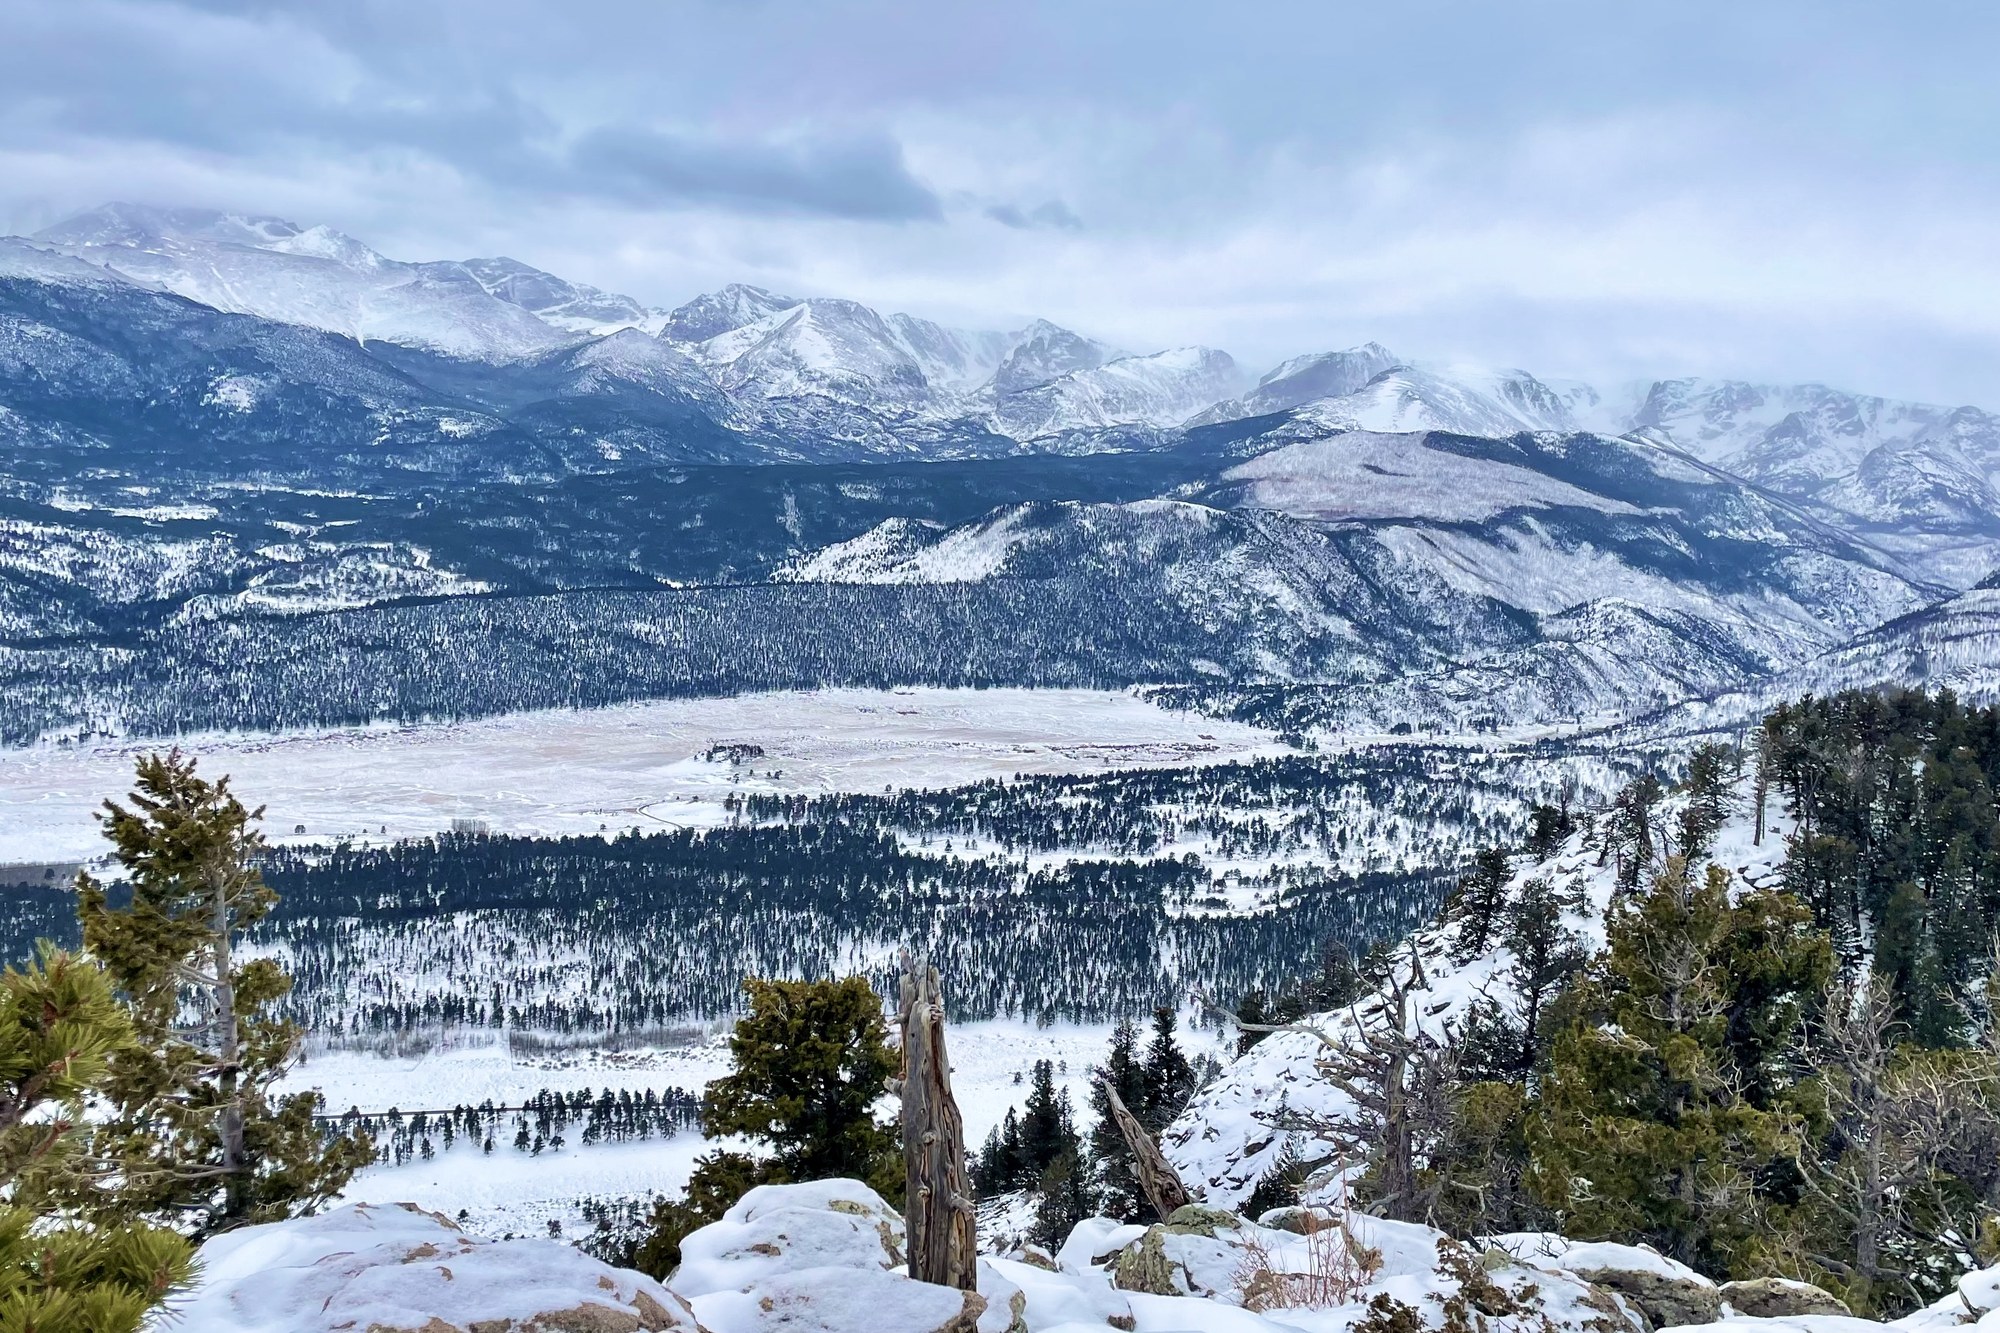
x: 477, y: 656
x: 1897, y: 838
x: 1363, y: 809
x: 541, y: 1123
x: 590, y: 934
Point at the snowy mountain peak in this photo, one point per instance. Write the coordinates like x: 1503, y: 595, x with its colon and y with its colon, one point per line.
x: 571, y: 305
x: 1304, y: 379
x: 143, y: 225
x: 1160, y: 390
x: 1044, y: 351
x: 723, y: 311
x: 311, y: 276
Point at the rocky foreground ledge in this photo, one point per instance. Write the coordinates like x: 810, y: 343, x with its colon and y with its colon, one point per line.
x: 827, y: 1257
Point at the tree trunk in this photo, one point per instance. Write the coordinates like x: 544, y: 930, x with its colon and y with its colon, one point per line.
x: 228, y: 1053
x: 938, y: 1222
x: 1158, y: 1180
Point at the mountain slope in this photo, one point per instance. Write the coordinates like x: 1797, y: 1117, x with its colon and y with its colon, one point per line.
x: 1230, y: 1135
x: 1160, y: 390
x: 314, y: 276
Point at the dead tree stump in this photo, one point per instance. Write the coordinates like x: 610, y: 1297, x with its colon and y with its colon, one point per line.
x: 939, y: 1228
x: 1158, y: 1180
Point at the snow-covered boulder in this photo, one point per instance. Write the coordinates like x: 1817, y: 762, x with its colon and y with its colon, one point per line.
x: 841, y: 1300
x: 777, y: 1229
x: 392, y: 1268
x: 1976, y: 1303
x: 1666, y: 1291
x: 823, y: 1257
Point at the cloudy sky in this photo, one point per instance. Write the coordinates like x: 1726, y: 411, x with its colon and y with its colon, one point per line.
x: 1612, y: 190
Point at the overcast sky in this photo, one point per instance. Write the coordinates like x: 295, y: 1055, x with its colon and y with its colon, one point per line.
x: 1605, y: 189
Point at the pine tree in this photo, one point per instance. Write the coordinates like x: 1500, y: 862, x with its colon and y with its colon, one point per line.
x: 1168, y: 1078
x: 1546, y: 954
x: 1549, y: 827
x: 810, y: 1060
x: 1250, y: 1009
x: 1111, y: 1164
x: 1480, y: 903
x: 1065, y: 1200
x: 65, y: 1269
x: 200, y: 1134
x: 1710, y: 786
x: 1642, y: 1130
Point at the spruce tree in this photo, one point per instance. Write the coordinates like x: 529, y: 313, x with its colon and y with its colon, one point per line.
x: 1629, y: 833
x: 1116, y: 1178
x: 65, y: 1269
x: 1643, y: 1130
x: 1047, y: 1130
x: 810, y: 1060
x: 1546, y: 953
x: 1480, y: 903
x: 1168, y: 1078
x: 200, y: 1134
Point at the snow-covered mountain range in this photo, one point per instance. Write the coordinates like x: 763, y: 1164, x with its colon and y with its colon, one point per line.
x: 213, y: 416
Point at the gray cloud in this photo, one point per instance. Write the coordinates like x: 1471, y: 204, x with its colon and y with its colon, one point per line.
x: 1054, y: 213
x: 1796, y: 188
x: 861, y: 178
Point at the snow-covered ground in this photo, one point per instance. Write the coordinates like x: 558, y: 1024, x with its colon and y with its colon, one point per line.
x: 630, y: 766
x: 512, y: 1191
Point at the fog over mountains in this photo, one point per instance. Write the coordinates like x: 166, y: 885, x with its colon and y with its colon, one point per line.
x: 228, y: 433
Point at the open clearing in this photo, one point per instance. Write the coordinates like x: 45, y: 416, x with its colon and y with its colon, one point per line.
x: 512, y: 1191
x: 630, y: 766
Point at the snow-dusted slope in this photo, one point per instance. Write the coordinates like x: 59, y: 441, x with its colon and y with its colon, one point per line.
x: 1229, y: 1136
x: 566, y: 305
x: 1546, y: 578
x: 1303, y: 379
x: 1163, y: 389
x: 1261, y: 596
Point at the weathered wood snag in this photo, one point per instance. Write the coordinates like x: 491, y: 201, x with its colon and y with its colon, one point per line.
x: 937, y: 1210
x: 1158, y: 1180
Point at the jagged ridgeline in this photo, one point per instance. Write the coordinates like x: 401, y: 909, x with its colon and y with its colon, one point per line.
x: 1063, y: 897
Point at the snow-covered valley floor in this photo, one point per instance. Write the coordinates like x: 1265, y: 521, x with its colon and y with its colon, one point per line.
x: 509, y: 1191
x: 630, y: 766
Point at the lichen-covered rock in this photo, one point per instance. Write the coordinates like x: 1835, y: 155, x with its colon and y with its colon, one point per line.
x: 396, y: 1269
x: 1664, y: 1299
x: 1194, y: 1220
x: 1144, y: 1266
x: 1298, y: 1219
x: 1779, y: 1298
